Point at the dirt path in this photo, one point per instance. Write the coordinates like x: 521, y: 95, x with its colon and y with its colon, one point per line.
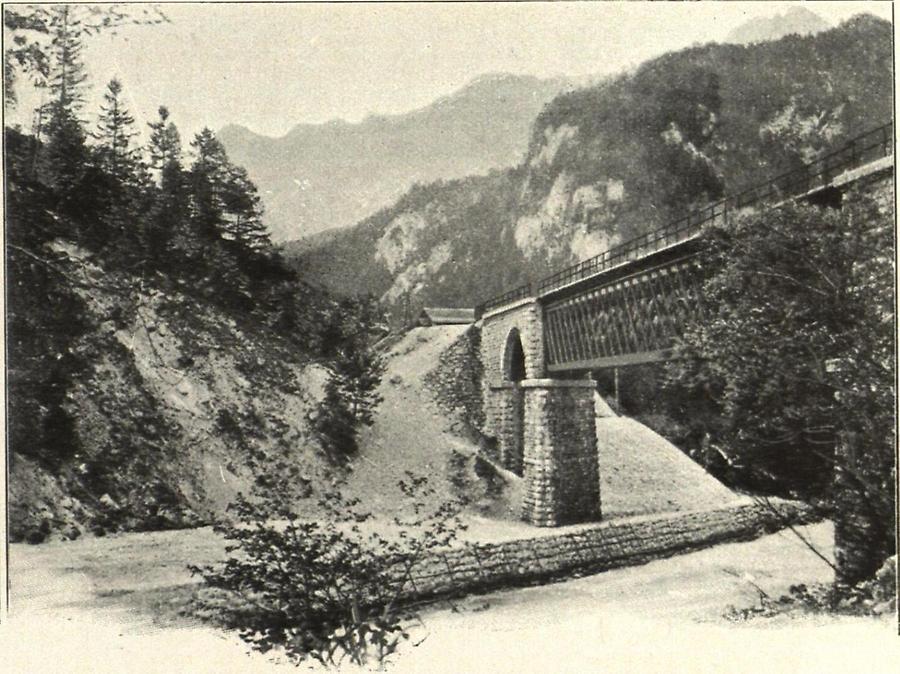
x: 410, y: 432
x: 110, y: 605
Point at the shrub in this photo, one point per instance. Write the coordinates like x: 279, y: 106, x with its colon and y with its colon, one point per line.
x: 323, y: 588
x: 351, y: 392
x: 876, y: 597
x: 794, y: 357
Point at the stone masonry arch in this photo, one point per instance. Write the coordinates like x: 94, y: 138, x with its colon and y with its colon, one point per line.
x: 543, y: 428
x: 525, y: 319
x: 514, y: 363
x: 511, y: 351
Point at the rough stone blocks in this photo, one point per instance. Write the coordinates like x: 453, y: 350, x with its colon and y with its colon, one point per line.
x: 508, y: 415
x: 526, y: 319
x: 562, y: 480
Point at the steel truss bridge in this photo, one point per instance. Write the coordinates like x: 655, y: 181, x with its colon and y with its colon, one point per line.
x: 629, y: 304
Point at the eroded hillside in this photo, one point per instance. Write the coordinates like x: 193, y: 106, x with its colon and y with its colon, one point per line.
x: 175, y: 407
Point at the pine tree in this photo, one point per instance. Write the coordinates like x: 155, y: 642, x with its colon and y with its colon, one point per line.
x: 165, y: 142
x: 226, y: 200
x: 115, y: 129
x: 243, y: 211
x: 169, y: 226
x: 28, y: 25
x: 123, y: 182
x: 64, y: 159
x: 67, y: 75
x: 207, y: 179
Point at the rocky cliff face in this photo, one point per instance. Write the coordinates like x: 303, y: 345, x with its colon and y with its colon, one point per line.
x: 616, y: 160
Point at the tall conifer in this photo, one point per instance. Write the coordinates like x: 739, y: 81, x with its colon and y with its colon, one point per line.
x: 63, y: 162
x: 115, y: 129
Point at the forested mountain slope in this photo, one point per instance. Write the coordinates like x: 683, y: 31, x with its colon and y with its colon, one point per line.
x: 158, y: 361
x: 615, y: 160
x: 161, y: 358
x: 321, y: 176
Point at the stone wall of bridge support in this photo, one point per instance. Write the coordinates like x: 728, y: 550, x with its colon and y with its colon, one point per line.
x: 521, y: 321
x: 508, y: 424
x: 562, y: 480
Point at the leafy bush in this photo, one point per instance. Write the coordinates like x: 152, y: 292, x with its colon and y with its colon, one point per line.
x: 323, y: 588
x: 795, y: 354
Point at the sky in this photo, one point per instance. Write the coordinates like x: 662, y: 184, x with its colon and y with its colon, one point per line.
x: 272, y: 66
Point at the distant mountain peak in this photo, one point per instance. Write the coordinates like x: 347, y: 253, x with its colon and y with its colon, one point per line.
x: 796, y: 20
x: 333, y: 174
x: 233, y: 130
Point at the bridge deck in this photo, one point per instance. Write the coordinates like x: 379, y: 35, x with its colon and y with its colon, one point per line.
x: 627, y: 320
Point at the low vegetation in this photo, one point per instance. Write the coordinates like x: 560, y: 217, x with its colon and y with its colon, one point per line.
x: 327, y: 589
x: 872, y: 598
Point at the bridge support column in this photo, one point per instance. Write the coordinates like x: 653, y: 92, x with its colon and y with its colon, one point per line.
x: 507, y: 413
x: 562, y: 480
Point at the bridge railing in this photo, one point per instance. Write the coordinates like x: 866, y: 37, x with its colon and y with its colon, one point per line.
x: 635, y: 248
x: 509, y: 297
x: 860, y: 150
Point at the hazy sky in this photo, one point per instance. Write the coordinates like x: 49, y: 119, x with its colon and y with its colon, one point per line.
x: 272, y: 66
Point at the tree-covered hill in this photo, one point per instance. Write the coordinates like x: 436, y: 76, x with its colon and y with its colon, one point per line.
x: 161, y: 356
x: 614, y: 160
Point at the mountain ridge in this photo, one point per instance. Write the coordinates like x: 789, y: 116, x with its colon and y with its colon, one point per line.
x: 322, y: 176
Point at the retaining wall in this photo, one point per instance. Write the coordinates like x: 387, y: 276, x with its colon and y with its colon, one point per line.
x: 456, y: 381
x: 482, y: 567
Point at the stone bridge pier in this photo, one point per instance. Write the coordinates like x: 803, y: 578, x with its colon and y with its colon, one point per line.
x: 544, y: 428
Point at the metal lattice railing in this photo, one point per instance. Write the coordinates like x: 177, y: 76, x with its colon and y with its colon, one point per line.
x: 860, y: 150
x: 509, y: 297
x: 627, y: 320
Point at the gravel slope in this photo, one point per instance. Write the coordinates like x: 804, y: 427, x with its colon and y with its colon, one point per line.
x: 411, y: 434
x: 641, y: 473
